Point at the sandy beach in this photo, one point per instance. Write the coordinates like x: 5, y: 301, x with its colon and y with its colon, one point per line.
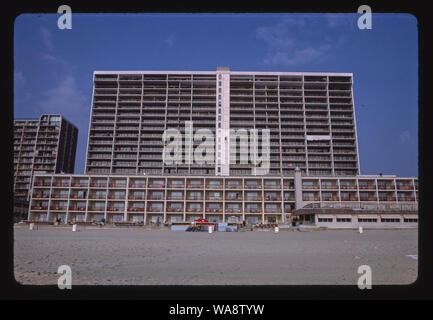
x: 162, y: 257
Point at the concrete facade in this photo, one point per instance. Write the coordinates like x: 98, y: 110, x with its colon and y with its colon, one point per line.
x: 47, y: 145
x: 185, y: 198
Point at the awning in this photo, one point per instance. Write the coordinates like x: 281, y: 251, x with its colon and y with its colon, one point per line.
x: 368, y: 216
x: 345, y: 216
x: 325, y: 216
x: 391, y: 216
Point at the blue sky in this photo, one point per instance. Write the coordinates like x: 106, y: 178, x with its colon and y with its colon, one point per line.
x: 53, y: 68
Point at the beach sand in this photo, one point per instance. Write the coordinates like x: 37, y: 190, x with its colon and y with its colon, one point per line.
x: 154, y: 257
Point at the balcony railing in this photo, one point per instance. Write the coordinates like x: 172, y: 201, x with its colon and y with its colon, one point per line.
x: 174, y: 197
x: 311, y: 199
x: 78, y: 184
x: 369, y: 186
x: 136, y: 209
x: 42, y: 184
x: 269, y: 198
x: 253, y: 186
x: 39, y: 207
x: 41, y: 195
x: 74, y: 208
x: 95, y: 196
x: 194, y: 198
x: 96, y: 209
x: 348, y: 186
x: 116, y: 197
x: 349, y: 199
x: 404, y: 187
x: 133, y: 197
x: 367, y: 199
x: 253, y: 210
x: 385, y: 186
x: 114, y: 209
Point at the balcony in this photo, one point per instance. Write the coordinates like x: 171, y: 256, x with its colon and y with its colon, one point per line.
x: 39, y: 207
x: 97, y: 196
x: 253, y: 198
x: 212, y: 186
x: 118, y: 197
x: 96, y: 209
x: 174, y: 209
x: 115, y: 209
x: 328, y: 186
x: 233, y: 210
x: 43, y: 184
x: 137, y: 185
x: 387, y: 199
x: 57, y: 208
x: 174, y: 197
x: 311, y: 199
x: 406, y: 199
x: 290, y: 186
x: 258, y: 210
x: 59, y: 195
x: 153, y: 185
x: 136, y: 209
x: 385, y: 186
x: 170, y: 185
x: 150, y: 197
x: 134, y: 197
x: 252, y: 186
x: 61, y: 184
x: 77, y: 196
x: 352, y: 186
x: 369, y: 186
x: 78, y: 184
x: 272, y: 198
x: 75, y: 208
x: 196, y: 186
x: 367, y: 199
x: 214, y: 198
x: 40, y: 195
x: 405, y: 187
x: 349, y: 199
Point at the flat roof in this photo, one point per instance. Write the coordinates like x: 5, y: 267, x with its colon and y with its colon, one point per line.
x: 215, y: 72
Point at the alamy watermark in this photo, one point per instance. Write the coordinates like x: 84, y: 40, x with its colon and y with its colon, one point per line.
x: 65, y: 280
x: 364, y: 281
x: 254, y: 147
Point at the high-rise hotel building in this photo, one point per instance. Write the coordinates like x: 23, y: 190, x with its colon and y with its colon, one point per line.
x: 44, y: 145
x: 310, y: 117
x: 313, y: 153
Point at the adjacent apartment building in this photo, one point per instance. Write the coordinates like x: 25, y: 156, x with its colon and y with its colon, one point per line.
x: 44, y: 145
x: 313, y: 152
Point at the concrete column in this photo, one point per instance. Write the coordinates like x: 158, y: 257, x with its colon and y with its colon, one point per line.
x: 299, y: 203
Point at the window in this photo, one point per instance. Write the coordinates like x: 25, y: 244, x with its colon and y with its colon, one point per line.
x: 213, y: 206
x: 389, y: 220
x: 324, y: 220
x: 176, y: 206
x: 344, y: 220
x: 410, y: 220
x: 367, y: 220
